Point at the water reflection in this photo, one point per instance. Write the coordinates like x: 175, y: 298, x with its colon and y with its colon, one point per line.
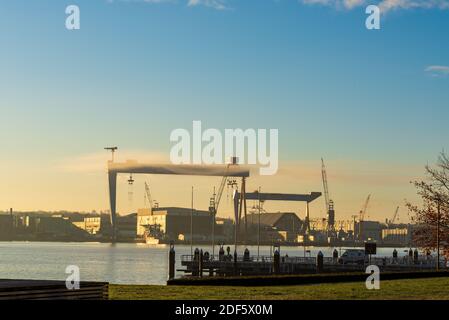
x: 126, y: 263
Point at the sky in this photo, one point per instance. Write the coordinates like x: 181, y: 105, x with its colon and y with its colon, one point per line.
x: 372, y: 103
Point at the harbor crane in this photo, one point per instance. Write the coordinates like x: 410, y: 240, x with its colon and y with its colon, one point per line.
x: 113, y: 150
x: 394, y: 216
x: 329, y: 202
x: 364, y: 208
x: 362, y: 215
x: 148, y: 196
x: 215, y: 201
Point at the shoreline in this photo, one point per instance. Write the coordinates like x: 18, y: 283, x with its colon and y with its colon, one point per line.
x: 208, y: 244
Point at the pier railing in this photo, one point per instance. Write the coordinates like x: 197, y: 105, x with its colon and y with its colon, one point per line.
x: 423, y: 262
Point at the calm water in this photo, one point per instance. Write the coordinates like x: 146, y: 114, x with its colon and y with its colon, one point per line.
x: 125, y: 263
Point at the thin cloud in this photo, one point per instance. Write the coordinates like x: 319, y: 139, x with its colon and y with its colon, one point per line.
x: 339, y: 4
x: 146, y: 1
x: 437, y: 70
x: 215, y: 4
x: 384, y: 5
x: 414, y: 4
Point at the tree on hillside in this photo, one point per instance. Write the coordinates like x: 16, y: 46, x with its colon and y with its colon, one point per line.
x: 432, y: 217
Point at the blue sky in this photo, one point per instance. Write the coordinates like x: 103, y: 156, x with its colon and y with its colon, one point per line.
x: 139, y: 69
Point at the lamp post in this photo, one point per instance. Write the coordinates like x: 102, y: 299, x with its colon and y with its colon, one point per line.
x: 258, y: 228
x: 191, y: 225
x: 438, y: 234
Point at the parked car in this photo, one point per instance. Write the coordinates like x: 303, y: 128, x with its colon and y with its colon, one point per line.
x: 353, y: 256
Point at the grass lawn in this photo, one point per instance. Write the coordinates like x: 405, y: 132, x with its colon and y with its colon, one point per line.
x: 420, y: 289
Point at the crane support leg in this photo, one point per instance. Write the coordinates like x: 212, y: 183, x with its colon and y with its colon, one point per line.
x: 112, y: 202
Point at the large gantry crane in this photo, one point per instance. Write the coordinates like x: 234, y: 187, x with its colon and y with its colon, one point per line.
x: 330, y: 227
x: 240, y: 201
x: 133, y: 167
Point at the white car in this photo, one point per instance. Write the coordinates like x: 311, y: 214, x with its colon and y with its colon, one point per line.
x: 352, y: 256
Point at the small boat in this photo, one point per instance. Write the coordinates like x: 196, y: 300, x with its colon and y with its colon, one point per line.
x: 151, y: 240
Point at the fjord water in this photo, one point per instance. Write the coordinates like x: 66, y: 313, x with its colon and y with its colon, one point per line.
x: 124, y: 263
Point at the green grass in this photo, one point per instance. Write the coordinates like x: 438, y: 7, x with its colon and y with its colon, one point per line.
x: 415, y: 289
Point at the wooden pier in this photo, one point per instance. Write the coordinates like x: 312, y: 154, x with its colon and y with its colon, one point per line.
x: 265, y: 265
x: 11, y: 289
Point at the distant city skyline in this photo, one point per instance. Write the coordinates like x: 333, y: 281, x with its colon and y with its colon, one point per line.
x: 373, y: 104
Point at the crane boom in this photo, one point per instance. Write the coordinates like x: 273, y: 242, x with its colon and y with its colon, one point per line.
x: 362, y: 217
x: 147, y: 192
x: 325, y: 187
x: 220, y: 192
x: 217, y: 198
x: 395, y: 215
x: 365, y: 206
x: 329, y: 203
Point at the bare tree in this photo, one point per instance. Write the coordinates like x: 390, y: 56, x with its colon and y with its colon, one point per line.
x: 432, y: 217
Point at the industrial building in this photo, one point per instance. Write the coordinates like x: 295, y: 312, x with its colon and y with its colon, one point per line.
x: 368, y: 230
x: 398, y: 234
x: 6, y: 226
x: 126, y: 227
x: 96, y: 225
x: 48, y: 227
x: 174, y: 223
x: 275, y: 226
